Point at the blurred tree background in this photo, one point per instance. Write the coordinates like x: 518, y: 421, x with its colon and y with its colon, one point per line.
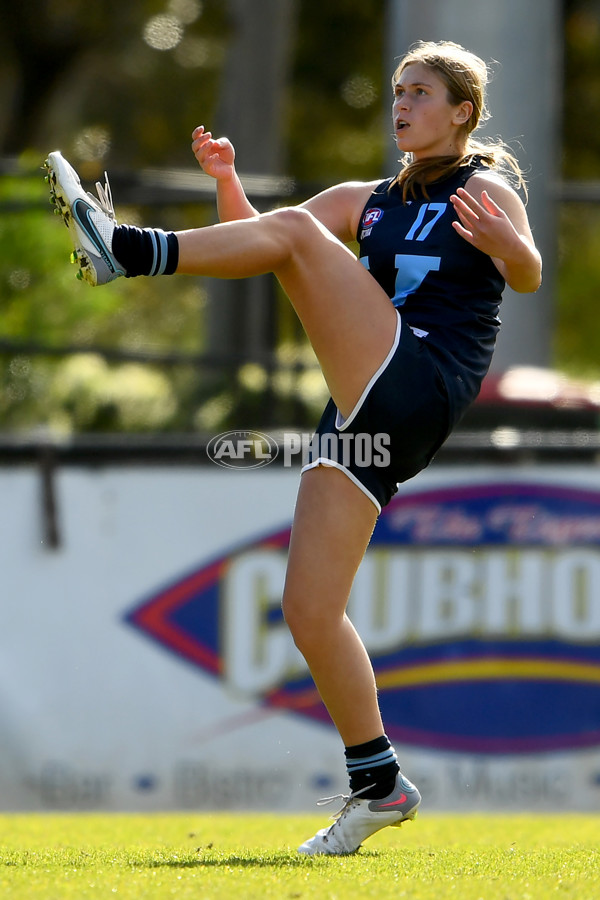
x: 119, y: 86
x: 577, y: 338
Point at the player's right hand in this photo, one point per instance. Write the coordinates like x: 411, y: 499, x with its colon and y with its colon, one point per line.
x: 215, y: 156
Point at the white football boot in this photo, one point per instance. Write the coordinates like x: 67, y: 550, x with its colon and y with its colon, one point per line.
x: 359, y: 819
x: 91, y: 221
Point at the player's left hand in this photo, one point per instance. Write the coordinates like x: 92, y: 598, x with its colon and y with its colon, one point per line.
x: 483, y: 223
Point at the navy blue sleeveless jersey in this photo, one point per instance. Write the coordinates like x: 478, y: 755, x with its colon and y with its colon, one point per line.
x: 446, y: 290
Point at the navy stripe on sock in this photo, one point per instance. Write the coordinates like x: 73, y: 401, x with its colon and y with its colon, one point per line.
x: 145, y: 251
x: 368, y: 762
x: 372, y: 765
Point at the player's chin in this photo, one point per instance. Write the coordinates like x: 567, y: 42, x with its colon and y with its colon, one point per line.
x: 405, y: 144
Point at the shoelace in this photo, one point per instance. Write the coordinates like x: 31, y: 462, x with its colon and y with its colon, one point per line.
x: 345, y: 798
x: 104, y: 197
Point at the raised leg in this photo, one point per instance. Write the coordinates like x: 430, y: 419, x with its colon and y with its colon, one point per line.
x: 348, y: 318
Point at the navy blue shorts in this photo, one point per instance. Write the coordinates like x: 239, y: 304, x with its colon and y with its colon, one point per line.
x: 399, y: 423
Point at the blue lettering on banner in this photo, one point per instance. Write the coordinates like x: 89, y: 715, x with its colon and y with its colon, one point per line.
x: 479, y: 605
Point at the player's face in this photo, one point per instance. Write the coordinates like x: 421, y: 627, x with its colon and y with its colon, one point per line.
x: 425, y: 122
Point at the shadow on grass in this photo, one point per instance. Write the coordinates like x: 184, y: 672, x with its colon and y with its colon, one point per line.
x: 214, y: 859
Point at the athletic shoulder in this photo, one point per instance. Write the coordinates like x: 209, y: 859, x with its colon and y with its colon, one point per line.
x: 502, y: 193
x: 490, y: 180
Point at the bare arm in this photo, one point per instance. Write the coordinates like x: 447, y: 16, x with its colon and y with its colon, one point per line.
x: 217, y: 158
x: 492, y: 217
x: 337, y: 208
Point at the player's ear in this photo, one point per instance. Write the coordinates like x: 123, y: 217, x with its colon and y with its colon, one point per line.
x: 463, y: 112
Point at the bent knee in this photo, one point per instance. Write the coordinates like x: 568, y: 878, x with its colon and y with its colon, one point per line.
x: 309, y: 623
x: 298, y: 619
x: 295, y: 223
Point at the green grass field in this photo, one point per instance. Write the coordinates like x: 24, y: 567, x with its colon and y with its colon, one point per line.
x: 183, y: 855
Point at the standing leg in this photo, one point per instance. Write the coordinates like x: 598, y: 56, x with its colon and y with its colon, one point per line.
x: 332, y: 527
x: 333, y: 523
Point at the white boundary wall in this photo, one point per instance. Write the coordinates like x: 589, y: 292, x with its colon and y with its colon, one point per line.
x: 96, y: 714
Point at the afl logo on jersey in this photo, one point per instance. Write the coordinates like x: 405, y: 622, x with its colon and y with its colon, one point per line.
x: 372, y: 216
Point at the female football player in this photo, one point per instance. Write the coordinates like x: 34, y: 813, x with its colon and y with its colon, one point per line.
x: 404, y: 336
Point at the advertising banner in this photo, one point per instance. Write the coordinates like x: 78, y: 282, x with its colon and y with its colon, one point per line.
x: 145, y: 663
